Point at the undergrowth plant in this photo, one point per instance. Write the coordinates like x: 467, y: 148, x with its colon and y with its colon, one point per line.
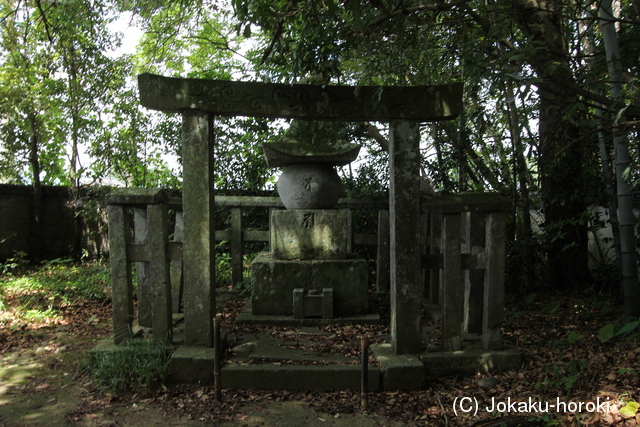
x: 37, y: 293
x: 137, y: 365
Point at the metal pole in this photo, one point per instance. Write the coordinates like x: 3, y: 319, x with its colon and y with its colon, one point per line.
x: 364, y: 399
x: 216, y: 360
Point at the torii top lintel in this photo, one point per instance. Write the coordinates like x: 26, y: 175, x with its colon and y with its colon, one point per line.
x: 311, y: 102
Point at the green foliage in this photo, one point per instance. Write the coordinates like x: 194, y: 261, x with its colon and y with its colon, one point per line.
x: 223, y: 264
x: 621, y: 328
x: 243, y: 287
x: 224, y: 271
x: 239, y: 159
x: 630, y: 409
x: 66, y: 93
x: 55, y: 284
x: 137, y: 365
x: 57, y: 76
x: 14, y: 264
x: 562, y: 376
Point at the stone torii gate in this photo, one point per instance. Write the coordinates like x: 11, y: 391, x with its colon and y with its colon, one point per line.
x: 199, y: 101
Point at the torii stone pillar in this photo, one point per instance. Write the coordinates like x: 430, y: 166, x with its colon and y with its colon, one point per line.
x: 199, y: 240
x: 404, y: 107
x: 405, y: 239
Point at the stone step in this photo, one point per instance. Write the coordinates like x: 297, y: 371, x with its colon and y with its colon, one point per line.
x: 277, y: 376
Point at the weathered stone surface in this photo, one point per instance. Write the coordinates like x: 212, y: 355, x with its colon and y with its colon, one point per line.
x: 313, y: 304
x: 309, y: 186
x: 121, y: 284
x: 493, y: 307
x: 199, y: 229
x: 193, y: 364
x: 331, y: 102
x: 452, y: 283
x: 140, y: 197
x: 349, y: 280
x: 404, y: 218
x: 177, y: 279
x: 248, y: 318
x: 297, y: 377
x: 470, y: 361
x: 310, y: 234
x: 159, y: 271
x: 465, y: 202
x: 140, y: 228
x: 383, y: 258
x: 399, y: 372
x: 279, y: 154
x: 273, y: 282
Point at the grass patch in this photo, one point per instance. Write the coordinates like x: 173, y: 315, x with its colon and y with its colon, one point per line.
x: 138, y: 365
x: 36, y: 294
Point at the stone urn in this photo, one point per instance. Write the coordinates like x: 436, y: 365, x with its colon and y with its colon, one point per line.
x: 309, y: 179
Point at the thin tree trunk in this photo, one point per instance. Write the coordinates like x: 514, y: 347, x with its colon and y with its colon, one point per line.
x: 75, y: 141
x: 613, y: 203
x: 34, y: 161
x: 622, y: 163
x: 520, y: 176
x: 442, y: 170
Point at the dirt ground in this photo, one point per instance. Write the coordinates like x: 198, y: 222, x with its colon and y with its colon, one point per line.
x: 42, y: 382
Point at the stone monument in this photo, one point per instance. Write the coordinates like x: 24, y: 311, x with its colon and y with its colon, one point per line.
x: 310, y: 271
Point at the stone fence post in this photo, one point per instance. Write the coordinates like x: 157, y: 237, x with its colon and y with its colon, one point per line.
x: 471, y: 266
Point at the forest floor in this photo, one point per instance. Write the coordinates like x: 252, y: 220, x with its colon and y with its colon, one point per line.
x: 574, y: 352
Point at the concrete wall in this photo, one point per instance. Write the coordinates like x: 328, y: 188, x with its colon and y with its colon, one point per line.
x: 62, y: 234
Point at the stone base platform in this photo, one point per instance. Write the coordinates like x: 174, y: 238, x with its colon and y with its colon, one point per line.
x: 263, y: 362
x: 470, y: 360
x: 273, y: 281
x: 246, y: 316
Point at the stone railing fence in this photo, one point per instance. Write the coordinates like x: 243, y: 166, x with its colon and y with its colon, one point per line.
x: 159, y: 260
x: 463, y: 257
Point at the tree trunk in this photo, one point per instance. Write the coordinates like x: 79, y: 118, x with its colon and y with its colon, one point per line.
x: 34, y: 160
x: 374, y: 133
x: 561, y: 179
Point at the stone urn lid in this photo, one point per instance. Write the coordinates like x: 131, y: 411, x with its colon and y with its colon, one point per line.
x: 284, y: 153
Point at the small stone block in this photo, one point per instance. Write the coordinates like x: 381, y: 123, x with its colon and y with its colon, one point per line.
x: 327, y: 303
x: 298, y: 303
x: 399, y: 372
x: 313, y: 304
x: 310, y: 234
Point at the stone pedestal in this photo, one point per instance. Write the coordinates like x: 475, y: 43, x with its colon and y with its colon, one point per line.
x: 310, y: 257
x: 274, y: 281
x: 311, y: 234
